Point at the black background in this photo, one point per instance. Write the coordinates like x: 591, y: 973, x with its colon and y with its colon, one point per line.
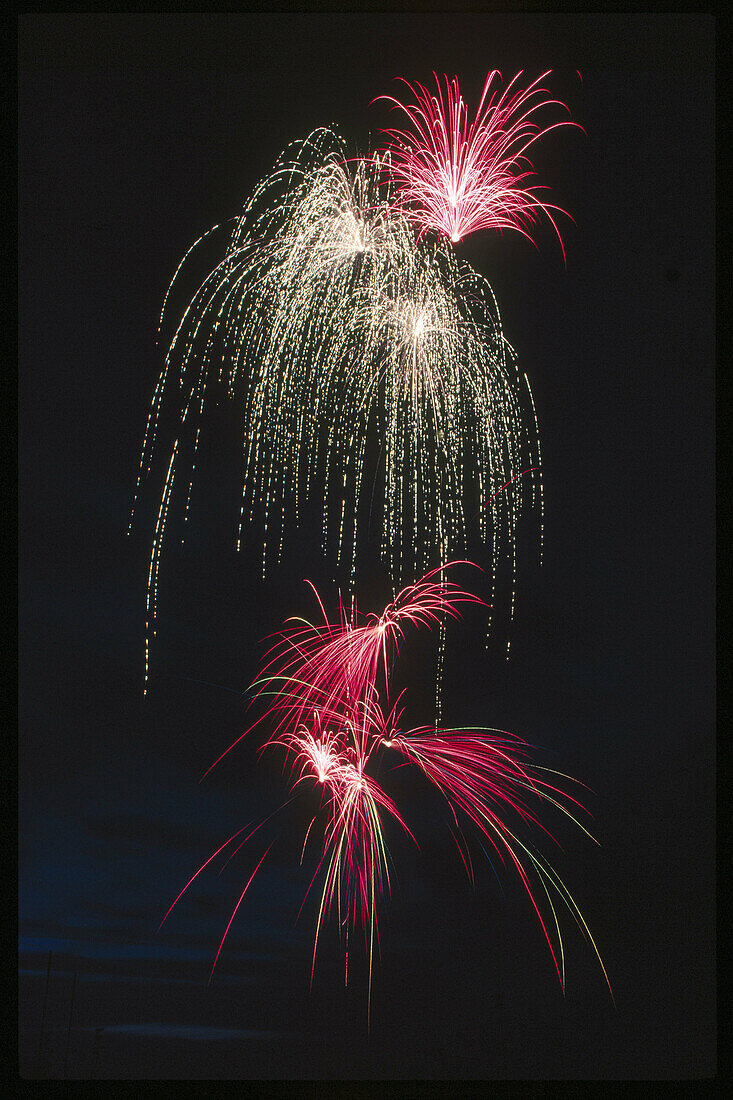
x: 135, y: 135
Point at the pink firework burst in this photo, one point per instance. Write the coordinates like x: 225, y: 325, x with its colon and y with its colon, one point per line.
x: 335, y: 668
x: 455, y: 176
x: 483, y: 773
x: 330, y: 672
x: 326, y: 685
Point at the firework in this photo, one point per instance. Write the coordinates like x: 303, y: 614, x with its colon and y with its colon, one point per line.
x: 327, y: 684
x: 354, y: 858
x: 456, y: 177
x: 366, y: 365
x: 334, y: 671
x: 481, y: 772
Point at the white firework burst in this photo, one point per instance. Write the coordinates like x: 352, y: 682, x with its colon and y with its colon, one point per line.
x: 332, y: 326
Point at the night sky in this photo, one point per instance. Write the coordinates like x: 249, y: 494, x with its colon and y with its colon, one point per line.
x: 135, y: 135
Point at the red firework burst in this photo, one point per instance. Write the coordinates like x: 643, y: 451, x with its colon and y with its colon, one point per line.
x: 325, y: 685
x: 331, y: 671
x: 455, y: 176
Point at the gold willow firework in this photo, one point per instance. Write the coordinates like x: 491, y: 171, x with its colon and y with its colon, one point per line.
x: 368, y: 365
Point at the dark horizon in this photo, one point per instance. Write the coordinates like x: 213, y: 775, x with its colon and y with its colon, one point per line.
x: 138, y: 133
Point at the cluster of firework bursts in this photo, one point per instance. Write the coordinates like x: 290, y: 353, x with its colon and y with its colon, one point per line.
x: 342, y: 322
x: 329, y: 689
x: 339, y: 314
